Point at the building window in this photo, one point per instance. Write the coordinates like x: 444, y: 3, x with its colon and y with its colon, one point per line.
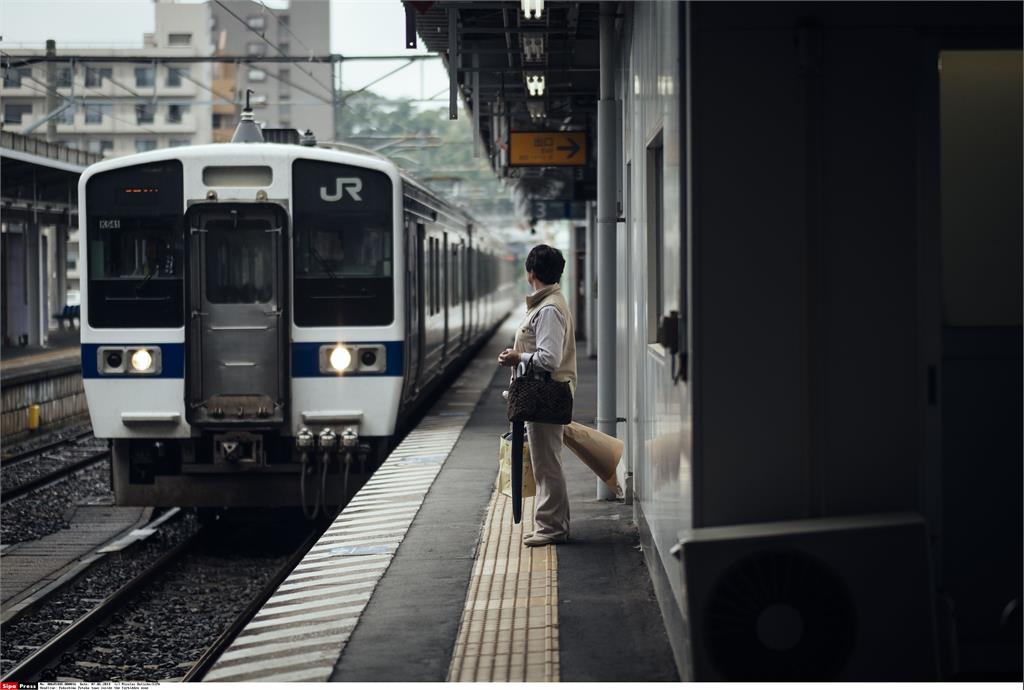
x: 220, y: 121
x: 176, y: 111
x: 144, y: 76
x: 254, y: 49
x: 100, y: 146
x: 284, y: 20
x: 94, y: 77
x: 14, y: 75
x: 144, y: 113
x: 95, y: 112
x: 66, y: 116
x: 143, y: 145
x: 13, y: 112
x: 175, y: 75
x: 655, y: 237
x: 64, y: 77
x: 285, y: 47
x: 257, y: 75
x: 257, y: 22
x: 179, y: 142
x: 179, y: 39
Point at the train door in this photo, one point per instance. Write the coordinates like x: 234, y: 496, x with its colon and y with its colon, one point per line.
x: 237, y: 300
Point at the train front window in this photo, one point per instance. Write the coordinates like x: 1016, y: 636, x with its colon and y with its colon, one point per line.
x: 343, y: 246
x: 239, y: 262
x: 135, y: 247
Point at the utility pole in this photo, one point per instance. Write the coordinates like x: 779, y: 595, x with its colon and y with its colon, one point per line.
x: 336, y: 95
x: 51, y: 90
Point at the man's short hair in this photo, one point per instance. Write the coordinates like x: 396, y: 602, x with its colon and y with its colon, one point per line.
x: 546, y: 263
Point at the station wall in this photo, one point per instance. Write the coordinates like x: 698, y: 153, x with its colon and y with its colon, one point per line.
x: 792, y: 219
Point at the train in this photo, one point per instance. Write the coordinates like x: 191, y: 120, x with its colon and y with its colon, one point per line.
x: 259, y: 320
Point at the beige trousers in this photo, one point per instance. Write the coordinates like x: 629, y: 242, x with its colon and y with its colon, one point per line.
x: 551, y: 505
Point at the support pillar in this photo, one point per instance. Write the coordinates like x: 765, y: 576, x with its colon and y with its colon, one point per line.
x: 590, y: 288
x: 34, y: 277
x: 607, y: 224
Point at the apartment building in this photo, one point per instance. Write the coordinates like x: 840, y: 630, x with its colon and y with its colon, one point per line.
x: 123, y: 107
x: 294, y: 95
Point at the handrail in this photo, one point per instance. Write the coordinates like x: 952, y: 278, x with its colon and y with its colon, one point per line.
x: 38, y: 147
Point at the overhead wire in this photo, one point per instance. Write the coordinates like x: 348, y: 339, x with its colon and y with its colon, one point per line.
x: 273, y: 45
x: 65, y: 98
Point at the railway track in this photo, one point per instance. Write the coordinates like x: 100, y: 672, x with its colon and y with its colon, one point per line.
x: 63, y: 470
x: 71, y: 645
x: 59, y: 439
x: 33, y: 665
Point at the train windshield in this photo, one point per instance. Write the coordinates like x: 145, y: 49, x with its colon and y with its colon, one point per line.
x: 135, y: 238
x: 343, y: 246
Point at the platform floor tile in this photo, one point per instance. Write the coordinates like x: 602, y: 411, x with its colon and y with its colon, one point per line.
x: 509, y: 628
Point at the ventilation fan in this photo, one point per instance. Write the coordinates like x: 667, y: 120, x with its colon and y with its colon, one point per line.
x: 815, y: 600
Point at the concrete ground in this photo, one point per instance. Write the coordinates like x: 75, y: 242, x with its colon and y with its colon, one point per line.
x: 609, y: 622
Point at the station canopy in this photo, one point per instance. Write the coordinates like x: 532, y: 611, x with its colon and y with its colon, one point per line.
x: 530, y: 85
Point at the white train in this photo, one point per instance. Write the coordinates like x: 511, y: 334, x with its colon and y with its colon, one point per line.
x: 256, y: 316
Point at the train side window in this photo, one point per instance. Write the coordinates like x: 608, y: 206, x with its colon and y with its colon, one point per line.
x: 456, y: 276
x: 435, y: 278
x: 429, y: 268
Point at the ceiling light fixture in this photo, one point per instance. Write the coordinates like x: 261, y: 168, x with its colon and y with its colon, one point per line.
x: 535, y: 84
x: 532, y: 9
x: 533, y: 47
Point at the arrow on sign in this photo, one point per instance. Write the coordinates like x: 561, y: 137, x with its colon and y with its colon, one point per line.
x: 573, y: 148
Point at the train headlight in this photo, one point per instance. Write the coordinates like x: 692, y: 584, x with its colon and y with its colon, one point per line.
x: 335, y: 359
x: 144, y: 360
x: 141, y: 360
x: 358, y: 358
x: 340, y: 358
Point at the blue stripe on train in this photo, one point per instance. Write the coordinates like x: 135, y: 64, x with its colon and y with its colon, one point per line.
x: 172, y: 357
x: 306, y: 359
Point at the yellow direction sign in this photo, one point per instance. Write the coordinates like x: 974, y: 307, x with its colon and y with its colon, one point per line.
x: 548, y: 148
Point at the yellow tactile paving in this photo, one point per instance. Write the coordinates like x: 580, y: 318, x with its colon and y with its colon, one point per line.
x: 509, y: 628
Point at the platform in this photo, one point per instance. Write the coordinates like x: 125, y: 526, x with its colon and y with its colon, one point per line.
x: 62, y: 355
x: 424, y: 577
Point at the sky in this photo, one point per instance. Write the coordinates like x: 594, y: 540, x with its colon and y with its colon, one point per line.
x: 358, y: 27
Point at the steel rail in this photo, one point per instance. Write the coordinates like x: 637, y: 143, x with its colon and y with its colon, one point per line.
x: 8, y: 460
x: 32, y: 666
x: 224, y: 640
x: 53, y: 477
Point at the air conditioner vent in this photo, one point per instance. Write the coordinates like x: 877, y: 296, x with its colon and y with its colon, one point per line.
x: 780, y: 615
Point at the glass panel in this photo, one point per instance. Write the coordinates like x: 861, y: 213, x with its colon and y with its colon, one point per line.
x: 239, y: 261
x: 175, y: 75
x: 981, y: 182
x: 343, y: 232
x: 135, y: 247
x: 144, y: 76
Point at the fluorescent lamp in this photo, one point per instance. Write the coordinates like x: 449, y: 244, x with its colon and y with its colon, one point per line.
x: 535, y: 84
x: 532, y: 9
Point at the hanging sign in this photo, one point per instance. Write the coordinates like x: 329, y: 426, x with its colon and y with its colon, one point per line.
x: 548, y: 148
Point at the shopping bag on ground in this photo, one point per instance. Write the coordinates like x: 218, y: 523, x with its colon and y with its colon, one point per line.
x: 600, y: 452
x: 504, y: 480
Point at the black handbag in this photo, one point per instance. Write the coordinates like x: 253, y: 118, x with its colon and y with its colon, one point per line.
x: 536, y: 397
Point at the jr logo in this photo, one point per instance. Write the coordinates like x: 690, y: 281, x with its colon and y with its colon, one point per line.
x: 352, y: 184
